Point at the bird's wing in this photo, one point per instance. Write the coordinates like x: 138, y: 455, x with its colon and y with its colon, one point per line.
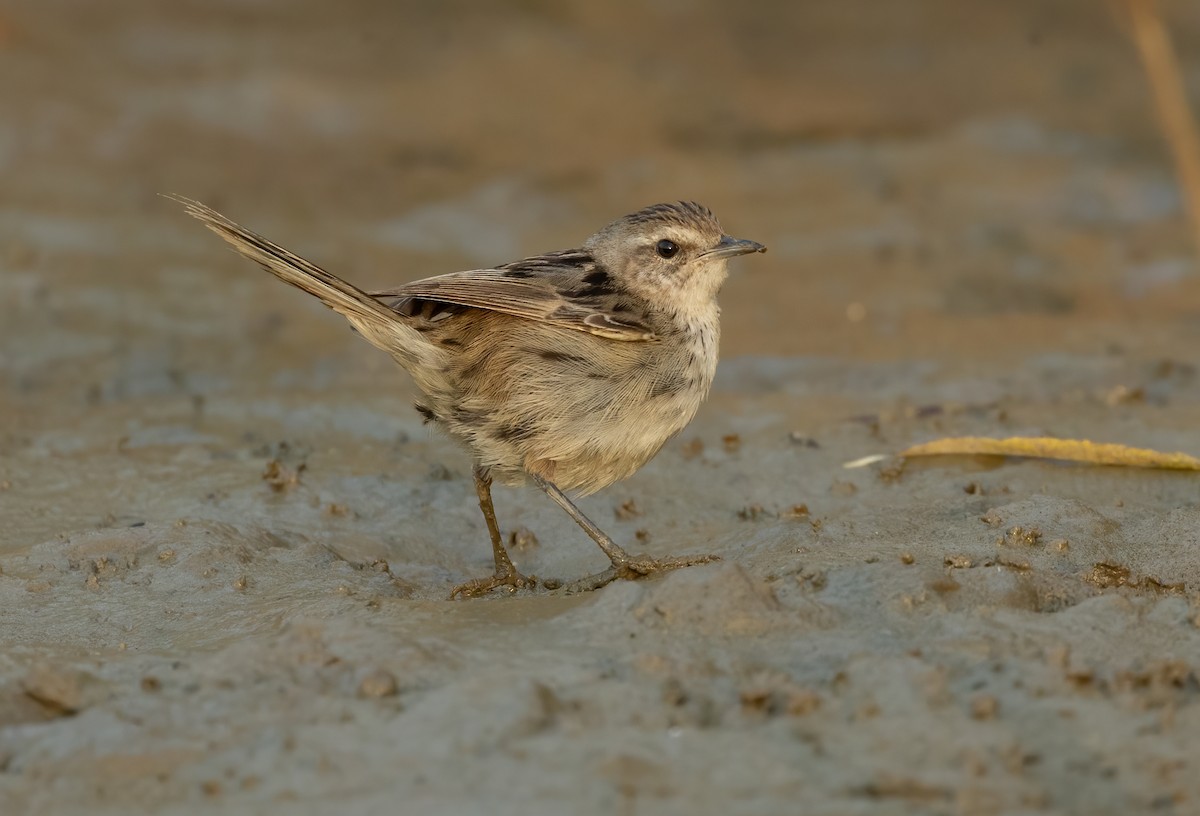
x: 561, y: 289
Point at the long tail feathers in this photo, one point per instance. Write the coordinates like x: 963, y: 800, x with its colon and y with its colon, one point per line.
x: 334, y: 292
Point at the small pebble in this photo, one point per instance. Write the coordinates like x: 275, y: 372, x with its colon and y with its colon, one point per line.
x: 378, y: 683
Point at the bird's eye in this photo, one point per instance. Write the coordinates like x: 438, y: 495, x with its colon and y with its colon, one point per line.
x: 666, y: 249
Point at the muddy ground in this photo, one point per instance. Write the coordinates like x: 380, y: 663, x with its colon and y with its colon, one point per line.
x: 227, y: 541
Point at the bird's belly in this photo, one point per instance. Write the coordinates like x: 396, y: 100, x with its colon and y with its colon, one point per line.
x: 602, y: 436
x: 583, y: 412
x: 613, y: 451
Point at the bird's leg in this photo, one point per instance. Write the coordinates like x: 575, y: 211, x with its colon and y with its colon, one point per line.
x: 624, y: 565
x: 506, y: 574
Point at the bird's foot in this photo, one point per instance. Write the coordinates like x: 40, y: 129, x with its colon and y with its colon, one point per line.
x: 510, y: 580
x: 633, y: 567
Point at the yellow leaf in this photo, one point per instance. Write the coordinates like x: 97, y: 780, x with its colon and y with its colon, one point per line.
x: 1041, y: 447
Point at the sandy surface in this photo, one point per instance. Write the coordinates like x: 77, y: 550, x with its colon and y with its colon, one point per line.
x: 227, y: 540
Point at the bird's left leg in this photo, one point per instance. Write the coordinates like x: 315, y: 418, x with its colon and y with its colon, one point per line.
x: 506, y: 574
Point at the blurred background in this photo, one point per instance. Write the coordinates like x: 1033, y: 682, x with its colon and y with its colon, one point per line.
x: 932, y: 160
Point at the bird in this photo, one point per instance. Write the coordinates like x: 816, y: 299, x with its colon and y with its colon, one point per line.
x: 568, y: 370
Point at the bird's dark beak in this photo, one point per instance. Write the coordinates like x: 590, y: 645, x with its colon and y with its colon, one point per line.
x: 732, y: 247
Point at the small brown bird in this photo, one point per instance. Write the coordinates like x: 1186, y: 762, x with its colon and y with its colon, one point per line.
x: 570, y: 369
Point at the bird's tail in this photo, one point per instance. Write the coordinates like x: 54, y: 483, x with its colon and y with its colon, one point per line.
x: 375, y: 321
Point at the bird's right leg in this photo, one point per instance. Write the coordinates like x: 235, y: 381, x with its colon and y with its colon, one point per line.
x: 624, y: 565
x: 506, y: 574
